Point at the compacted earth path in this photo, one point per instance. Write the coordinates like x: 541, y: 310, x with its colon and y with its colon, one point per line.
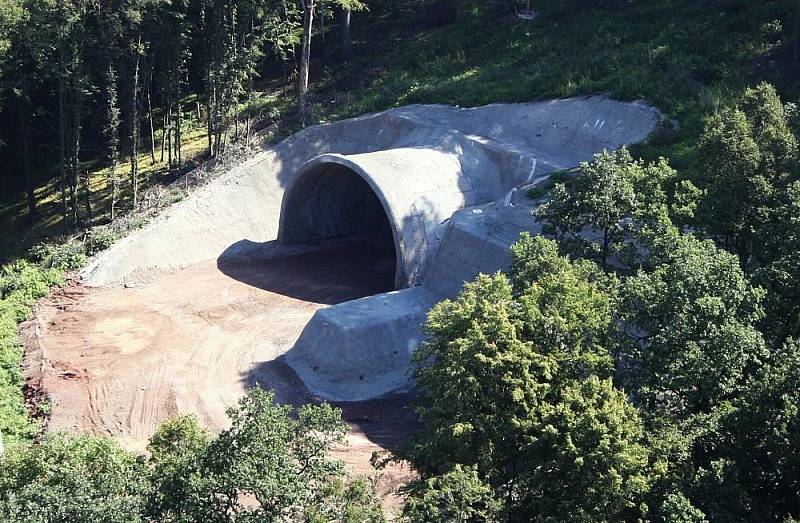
x: 120, y: 360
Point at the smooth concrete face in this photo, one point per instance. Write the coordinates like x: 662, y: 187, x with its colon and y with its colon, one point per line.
x: 418, y: 189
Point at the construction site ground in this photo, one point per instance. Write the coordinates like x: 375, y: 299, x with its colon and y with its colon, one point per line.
x: 120, y: 360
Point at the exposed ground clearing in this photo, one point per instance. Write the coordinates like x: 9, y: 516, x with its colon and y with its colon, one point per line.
x: 119, y: 361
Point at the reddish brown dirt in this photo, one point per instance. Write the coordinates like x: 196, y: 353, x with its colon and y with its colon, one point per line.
x: 119, y: 361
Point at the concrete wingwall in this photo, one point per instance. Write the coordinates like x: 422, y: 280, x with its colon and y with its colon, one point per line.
x: 423, y: 161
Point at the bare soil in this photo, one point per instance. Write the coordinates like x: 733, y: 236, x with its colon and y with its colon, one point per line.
x: 119, y: 361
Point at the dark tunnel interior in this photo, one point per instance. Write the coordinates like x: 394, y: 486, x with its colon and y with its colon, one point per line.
x: 335, y: 205
x: 333, y: 202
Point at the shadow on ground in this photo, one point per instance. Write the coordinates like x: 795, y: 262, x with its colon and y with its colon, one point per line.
x: 387, y: 421
x: 327, y: 275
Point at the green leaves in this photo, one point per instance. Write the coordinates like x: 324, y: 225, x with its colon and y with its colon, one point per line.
x: 513, y: 384
x: 21, y: 284
x: 265, y: 467
x: 765, y: 434
x: 586, y: 461
x: 748, y: 157
x: 459, y: 496
x: 612, y: 199
x: 71, y: 479
x: 690, y: 328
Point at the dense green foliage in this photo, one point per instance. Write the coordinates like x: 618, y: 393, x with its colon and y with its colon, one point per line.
x: 458, y: 495
x: 615, y: 198
x: 96, y: 82
x: 691, y: 341
x: 516, y: 383
x: 701, y: 421
x: 21, y: 284
x: 749, y: 157
x: 764, y: 435
x: 265, y: 467
x: 72, y: 479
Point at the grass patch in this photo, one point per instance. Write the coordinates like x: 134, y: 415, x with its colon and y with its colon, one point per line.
x: 687, y: 58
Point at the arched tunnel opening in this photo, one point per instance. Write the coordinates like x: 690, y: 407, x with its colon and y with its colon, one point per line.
x: 335, y: 208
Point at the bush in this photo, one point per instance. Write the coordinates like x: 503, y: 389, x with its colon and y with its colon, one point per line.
x: 21, y: 284
x: 458, y: 495
x: 26, y: 282
x: 99, y: 239
x: 273, y: 464
x: 71, y: 479
x: 64, y: 256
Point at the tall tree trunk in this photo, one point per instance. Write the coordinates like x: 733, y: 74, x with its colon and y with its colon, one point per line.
x: 169, y: 138
x: 216, y: 122
x: 305, y: 57
x: 178, y: 130
x: 210, y: 109
x: 169, y: 143
x: 347, y: 41
x: 25, y: 138
x: 62, y: 139
x: 75, y: 149
x: 150, y: 117
x: 87, y: 193
x: 135, y: 127
x: 164, y: 126
x: 247, y: 132
x: 168, y: 135
x: 112, y: 134
x: 796, y: 43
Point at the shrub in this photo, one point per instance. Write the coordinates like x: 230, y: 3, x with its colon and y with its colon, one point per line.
x: 266, y: 467
x: 65, y: 256
x: 458, y: 495
x: 21, y: 284
x: 26, y: 282
x: 71, y: 479
x: 99, y: 239
x: 273, y: 464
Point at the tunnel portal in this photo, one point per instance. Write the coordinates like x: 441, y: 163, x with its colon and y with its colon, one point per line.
x: 330, y: 202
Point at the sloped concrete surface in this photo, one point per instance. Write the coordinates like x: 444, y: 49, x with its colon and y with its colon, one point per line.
x: 497, y: 146
x: 437, y: 182
x: 374, y: 339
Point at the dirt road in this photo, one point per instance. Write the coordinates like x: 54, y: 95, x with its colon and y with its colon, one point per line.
x: 119, y: 361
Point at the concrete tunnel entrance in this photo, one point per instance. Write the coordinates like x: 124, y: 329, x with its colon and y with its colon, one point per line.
x: 332, y: 203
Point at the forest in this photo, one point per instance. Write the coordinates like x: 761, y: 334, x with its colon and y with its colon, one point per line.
x: 640, y: 361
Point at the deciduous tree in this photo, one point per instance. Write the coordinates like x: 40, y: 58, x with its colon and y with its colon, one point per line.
x: 690, y: 328
x: 612, y: 200
x: 513, y: 381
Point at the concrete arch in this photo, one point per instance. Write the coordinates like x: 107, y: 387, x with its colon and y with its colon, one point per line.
x: 418, y: 190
